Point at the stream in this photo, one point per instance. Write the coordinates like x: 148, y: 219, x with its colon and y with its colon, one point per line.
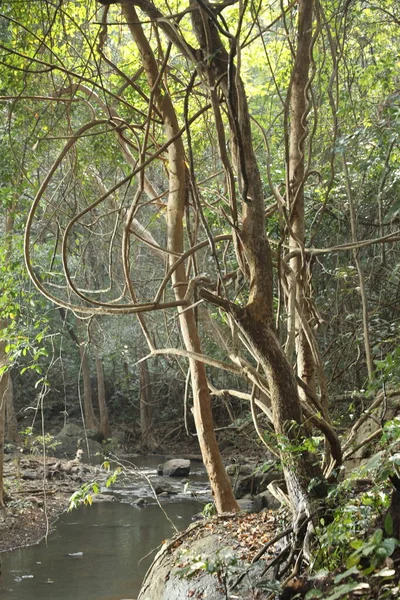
x: 100, y: 552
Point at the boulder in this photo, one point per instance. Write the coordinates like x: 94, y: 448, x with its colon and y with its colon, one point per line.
x: 246, y: 504
x: 177, y: 467
x: 70, y: 439
x: 255, y: 483
x: 265, y: 500
x: 174, y: 574
x: 164, y: 490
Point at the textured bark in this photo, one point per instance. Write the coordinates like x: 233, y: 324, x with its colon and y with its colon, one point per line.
x: 146, y: 409
x: 11, y: 419
x: 177, y: 200
x: 256, y: 320
x: 101, y: 397
x: 299, y: 467
x: 4, y: 381
x: 298, y: 132
x: 88, y: 412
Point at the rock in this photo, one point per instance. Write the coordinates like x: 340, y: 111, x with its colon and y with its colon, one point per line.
x: 103, y: 498
x: 198, y: 517
x: 160, y: 469
x: 253, y: 483
x: 162, y: 490
x: 246, y: 504
x: 70, y: 439
x: 177, y: 467
x: 31, y: 475
x: 265, y: 500
x: 166, y: 581
x: 236, y: 470
x: 384, y: 412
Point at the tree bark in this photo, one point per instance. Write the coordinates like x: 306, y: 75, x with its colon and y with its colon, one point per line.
x: 4, y: 382
x: 11, y: 419
x: 256, y: 320
x: 5, y: 379
x: 101, y: 397
x: 301, y: 315
x: 146, y: 409
x: 177, y: 200
x: 88, y: 412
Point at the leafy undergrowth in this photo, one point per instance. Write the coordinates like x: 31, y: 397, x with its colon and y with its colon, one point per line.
x: 357, y: 543
x: 355, y: 550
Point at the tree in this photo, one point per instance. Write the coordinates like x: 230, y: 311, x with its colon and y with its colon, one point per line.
x: 170, y: 132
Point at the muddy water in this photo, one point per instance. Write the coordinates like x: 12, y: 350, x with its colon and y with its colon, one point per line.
x: 97, y: 552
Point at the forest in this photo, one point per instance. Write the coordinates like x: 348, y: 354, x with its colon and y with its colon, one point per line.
x: 200, y: 254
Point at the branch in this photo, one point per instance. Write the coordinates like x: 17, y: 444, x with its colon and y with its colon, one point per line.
x: 391, y: 237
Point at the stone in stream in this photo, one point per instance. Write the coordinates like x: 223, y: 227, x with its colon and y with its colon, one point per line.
x: 164, y: 490
x: 177, y: 467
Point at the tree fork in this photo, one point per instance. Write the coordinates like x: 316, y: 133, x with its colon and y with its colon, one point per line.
x: 177, y: 200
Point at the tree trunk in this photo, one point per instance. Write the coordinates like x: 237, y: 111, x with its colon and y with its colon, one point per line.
x: 89, y: 417
x: 177, y: 200
x: 101, y: 396
x: 300, y: 293
x: 146, y: 409
x: 256, y: 320
x: 11, y: 419
x: 4, y: 383
x: 299, y: 465
x: 5, y: 379
x: 88, y: 412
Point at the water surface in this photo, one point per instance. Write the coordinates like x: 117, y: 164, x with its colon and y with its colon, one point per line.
x: 97, y: 552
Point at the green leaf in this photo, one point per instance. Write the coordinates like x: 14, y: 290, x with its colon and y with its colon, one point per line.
x: 346, y: 588
x: 352, y: 571
x: 377, y: 536
x: 388, y: 524
x: 357, y: 544
x: 313, y: 594
x: 389, y: 545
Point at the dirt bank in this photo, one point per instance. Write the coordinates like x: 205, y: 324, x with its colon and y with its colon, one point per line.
x: 37, y: 492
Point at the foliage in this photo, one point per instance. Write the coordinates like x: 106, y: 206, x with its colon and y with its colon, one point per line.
x: 346, y: 538
x: 209, y: 510
x: 36, y: 443
x: 87, y: 491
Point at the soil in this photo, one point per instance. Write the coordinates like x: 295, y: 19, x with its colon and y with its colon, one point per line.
x: 37, y: 493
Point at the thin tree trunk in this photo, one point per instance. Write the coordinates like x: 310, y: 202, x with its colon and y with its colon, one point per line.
x: 5, y: 379
x: 101, y: 397
x: 11, y: 419
x: 177, y: 200
x: 300, y: 285
x: 146, y: 409
x: 360, y: 273
x: 88, y: 412
x: 4, y: 382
